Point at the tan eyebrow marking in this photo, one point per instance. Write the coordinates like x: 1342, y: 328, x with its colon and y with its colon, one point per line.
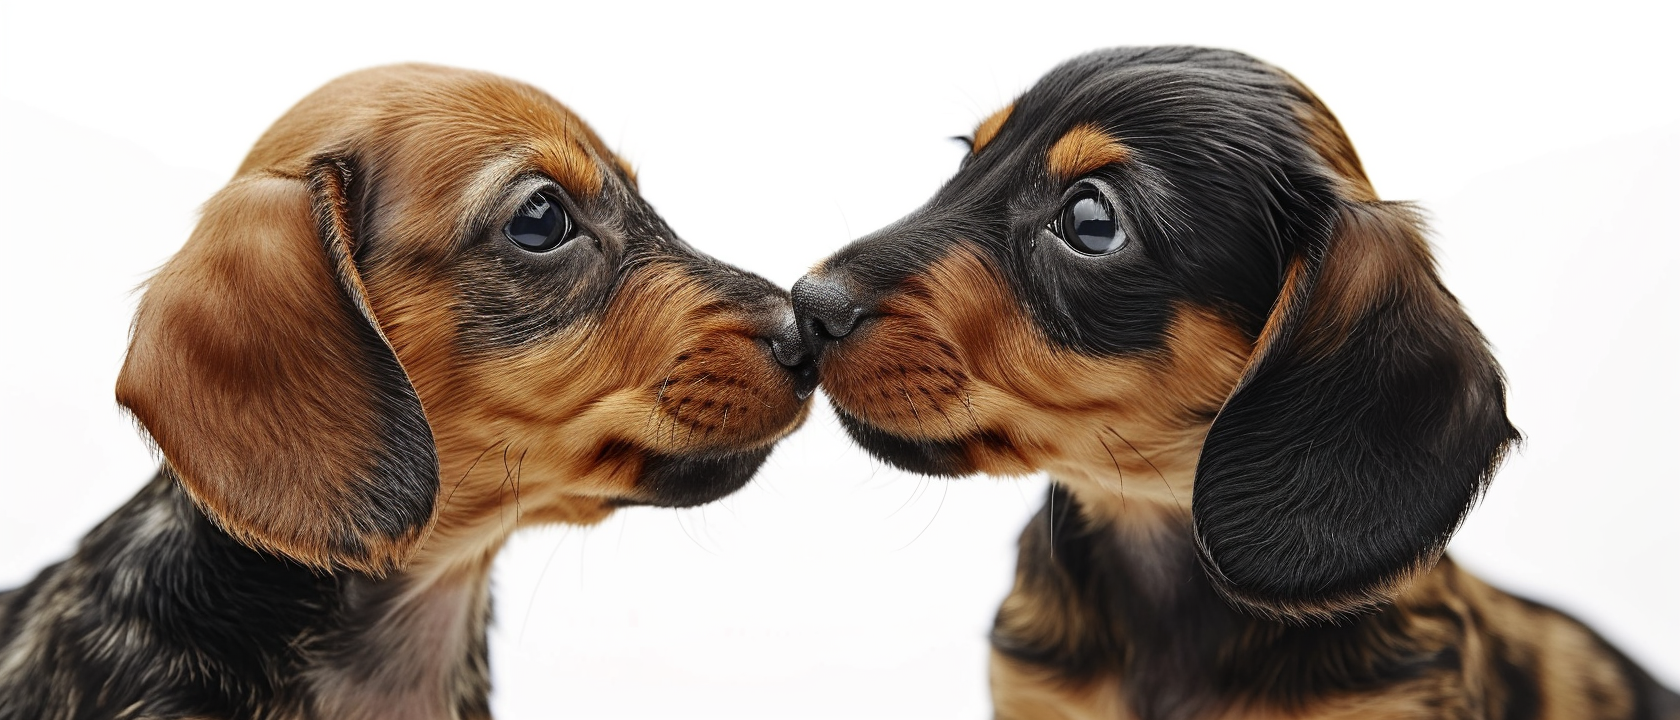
x: 570, y: 164
x: 1084, y: 148
x: 988, y: 128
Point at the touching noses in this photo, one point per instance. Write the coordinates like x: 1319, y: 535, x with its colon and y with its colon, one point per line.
x: 779, y: 329
x: 826, y: 312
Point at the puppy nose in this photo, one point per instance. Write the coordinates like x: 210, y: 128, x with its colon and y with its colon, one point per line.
x: 786, y: 344
x: 781, y: 333
x: 826, y: 311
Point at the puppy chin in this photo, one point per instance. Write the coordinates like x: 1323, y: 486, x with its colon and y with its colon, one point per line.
x: 942, y: 458
x: 693, y: 479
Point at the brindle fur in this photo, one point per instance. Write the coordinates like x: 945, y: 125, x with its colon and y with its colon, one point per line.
x: 361, y: 388
x: 1090, y: 608
x: 160, y: 614
x: 1264, y: 416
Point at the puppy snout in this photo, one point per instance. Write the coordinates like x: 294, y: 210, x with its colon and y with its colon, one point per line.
x: 780, y: 331
x: 826, y: 311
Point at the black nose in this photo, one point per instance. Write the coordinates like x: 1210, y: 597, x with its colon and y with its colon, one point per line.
x: 781, y: 333
x: 826, y: 311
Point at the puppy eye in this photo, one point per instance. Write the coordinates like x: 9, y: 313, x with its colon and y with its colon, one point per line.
x: 1087, y: 224
x: 540, y: 225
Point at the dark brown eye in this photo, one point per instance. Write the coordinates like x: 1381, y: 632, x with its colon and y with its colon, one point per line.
x: 1088, y: 224
x: 540, y: 225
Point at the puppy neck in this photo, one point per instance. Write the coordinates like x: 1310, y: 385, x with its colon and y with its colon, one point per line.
x: 1147, y: 533
x: 1127, y: 577
x: 491, y: 486
x: 407, y: 647
x: 1136, y: 482
x: 1136, y: 502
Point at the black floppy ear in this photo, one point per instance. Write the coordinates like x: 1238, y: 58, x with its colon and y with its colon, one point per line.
x: 1370, y: 419
x: 257, y: 366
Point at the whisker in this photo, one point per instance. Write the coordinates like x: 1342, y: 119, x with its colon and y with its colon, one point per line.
x: 526, y: 623
x: 660, y: 396
x: 464, y: 475
x: 948, y: 424
x: 690, y: 536
x: 619, y: 546
x: 920, y: 480
x: 655, y: 414
x: 1151, y: 465
x: 507, y: 477
x: 1124, y: 508
x: 518, y: 474
x: 968, y: 404
x: 941, y: 506
x: 912, y: 404
x: 1052, y: 535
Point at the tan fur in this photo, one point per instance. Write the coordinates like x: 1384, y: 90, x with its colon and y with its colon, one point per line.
x: 1324, y: 133
x: 988, y: 128
x: 949, y: 356
x: 543, y: 436
x: 270, y: 364
x: 1021, y: 692
x: 550, y: 434
x: 1083, y: 149
x: 1572, y: 665
x: 953, y: 357
x: 549, y: 430
x: 1377, y: 251
x: 430, y: 125
x: 1375, y: 255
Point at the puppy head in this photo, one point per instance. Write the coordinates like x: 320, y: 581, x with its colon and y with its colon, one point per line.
x: 434, y: 295
x: 1162, y: 276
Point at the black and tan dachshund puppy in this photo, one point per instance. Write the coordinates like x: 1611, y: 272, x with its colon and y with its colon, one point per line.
x: 1162, y: 276
x: 430, y: 308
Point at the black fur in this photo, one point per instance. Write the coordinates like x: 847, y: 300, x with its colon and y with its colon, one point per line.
x: 1218, y: 199
x: 177, y: 607
x: 1369, y: 419
x: 1182, y: 649
x: 157, y: 597
x: 1348, y: 457
x: 1183, y: 652
x: 669, y: 481
x: 1372, y: 454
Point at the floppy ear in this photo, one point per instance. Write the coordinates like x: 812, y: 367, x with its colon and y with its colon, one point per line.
x: 1370, y: 419
x: 258, y: 368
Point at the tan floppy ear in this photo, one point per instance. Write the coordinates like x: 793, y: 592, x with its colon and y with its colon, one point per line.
x: 1369, y: 421
x: 258, y: 368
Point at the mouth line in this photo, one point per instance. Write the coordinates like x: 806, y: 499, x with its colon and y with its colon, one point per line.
x: 939, y: 458
x: 690, y: 479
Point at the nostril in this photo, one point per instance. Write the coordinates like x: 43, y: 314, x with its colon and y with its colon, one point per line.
x: 826, y: 311
x: 787, y: 346
x: 839, y: 324
x: 790, y: 352
x: 792, y: 355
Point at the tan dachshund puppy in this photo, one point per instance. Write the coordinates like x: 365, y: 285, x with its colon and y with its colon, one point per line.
x: 430, y: 308
x: 1162, y: 276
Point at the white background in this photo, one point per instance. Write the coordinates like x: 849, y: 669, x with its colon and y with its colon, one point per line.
x: 1544, y: 142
